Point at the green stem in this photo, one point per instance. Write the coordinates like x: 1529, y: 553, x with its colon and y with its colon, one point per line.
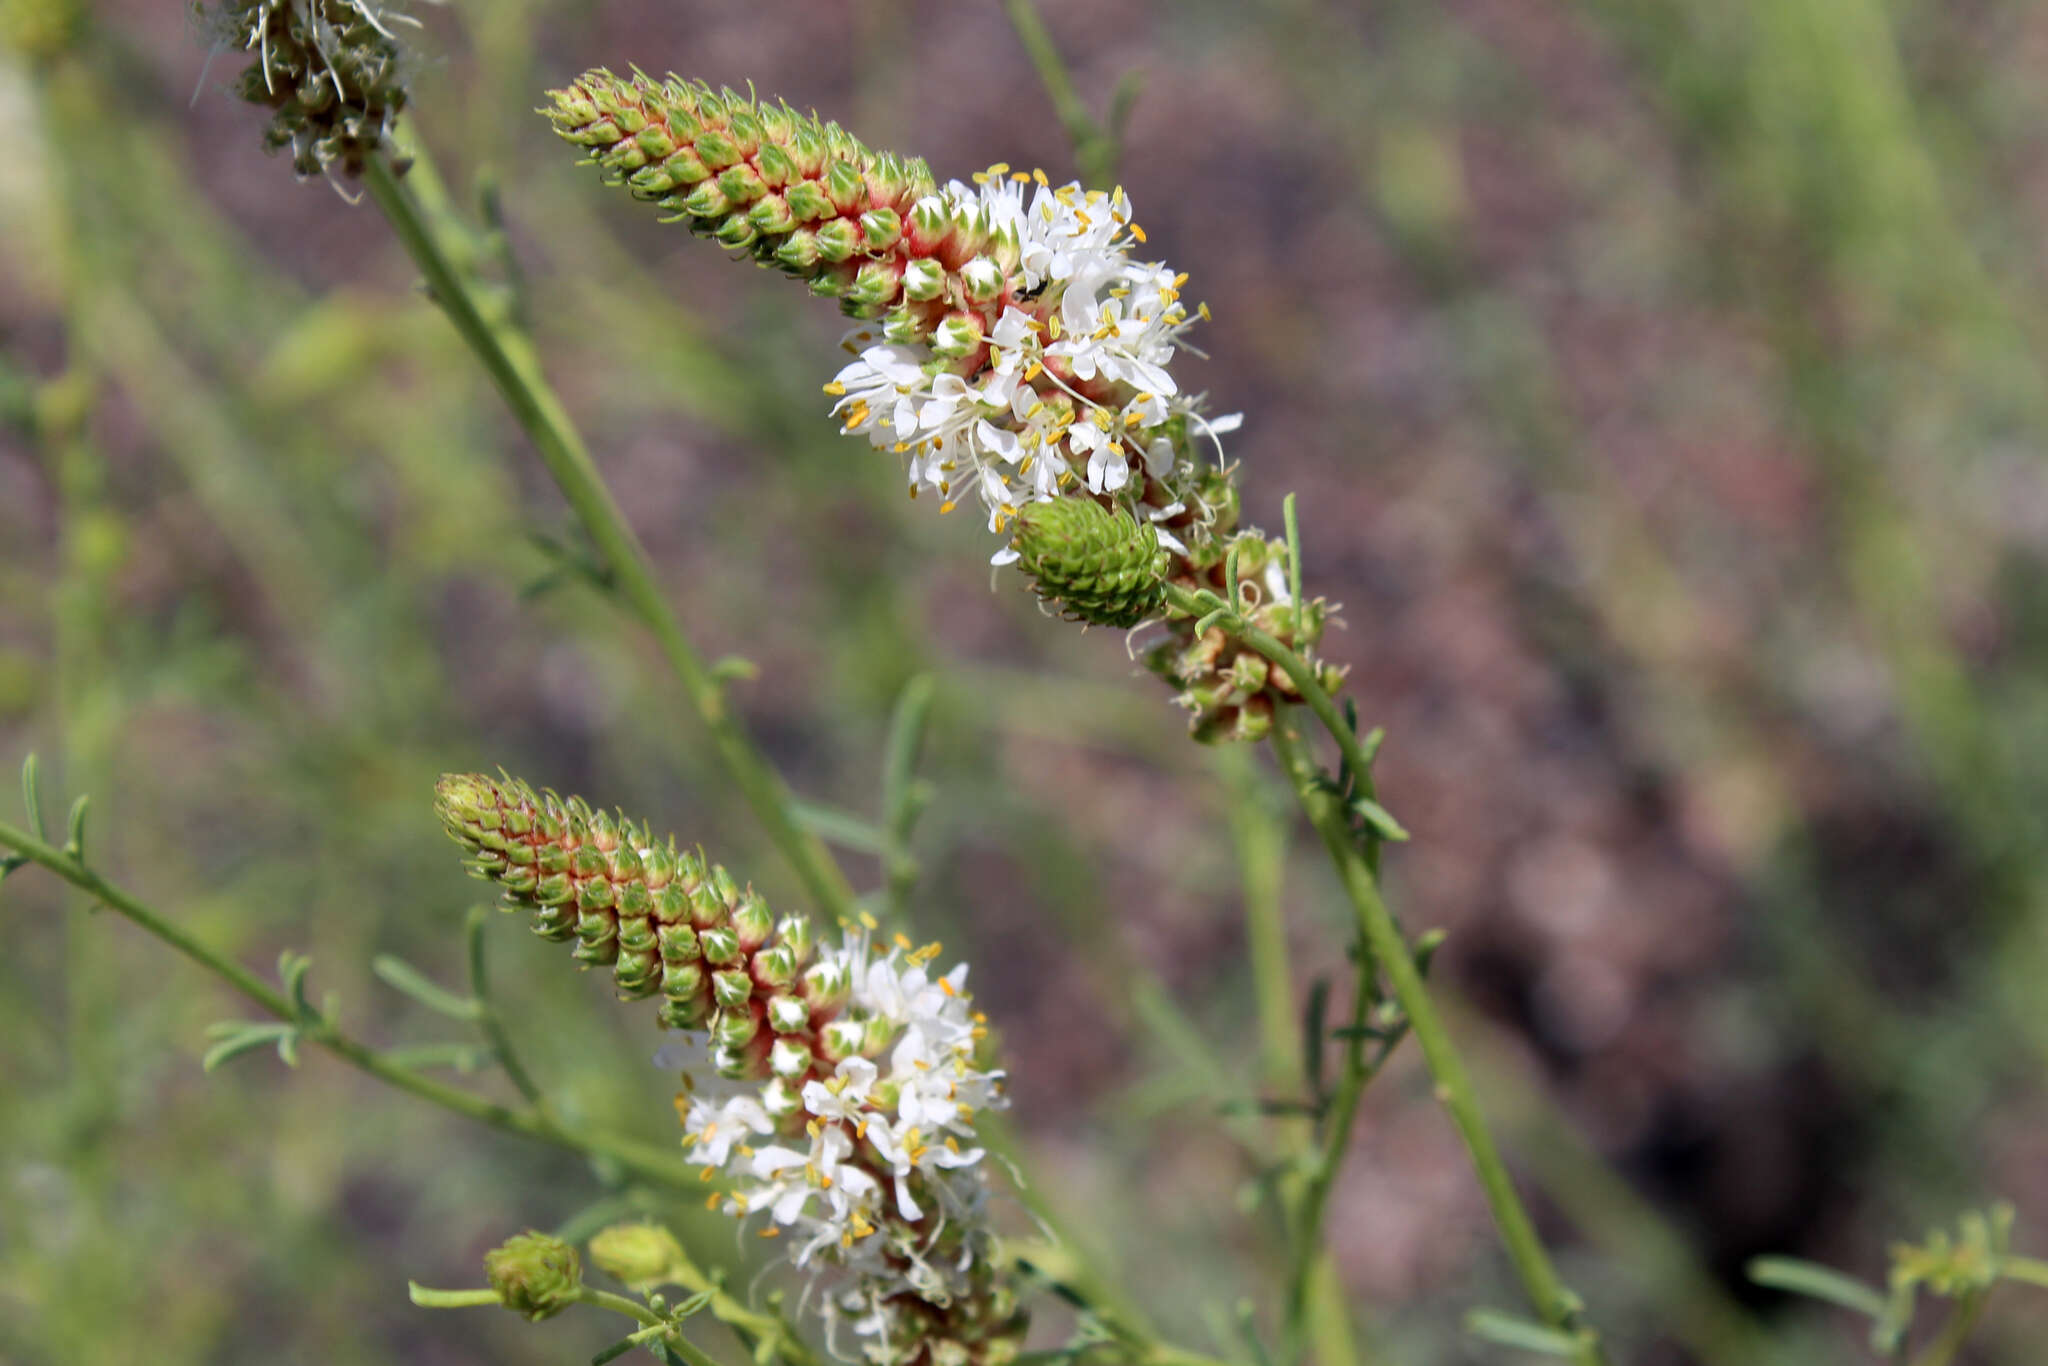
x: 1095, y: 150
x: 509, y: 360
x: 1342, y: 1115
x: 1384, y: 941
x: 2026, y: 1270
x: 653, y: 1163
x: 619, y: 1304
x: 1954, y: 1332
x: 488, y: 1021
x: 754, y: 1327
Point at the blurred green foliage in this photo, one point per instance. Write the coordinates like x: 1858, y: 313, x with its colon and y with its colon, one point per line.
x: 1675, y: 364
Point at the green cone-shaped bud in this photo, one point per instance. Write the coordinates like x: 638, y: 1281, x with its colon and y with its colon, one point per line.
x: 534, y: 1275
x: 666, y: 923
x: 1099, y: 566
x: 640, y: 1255
x: 331, y: 72
x: 751, y: 174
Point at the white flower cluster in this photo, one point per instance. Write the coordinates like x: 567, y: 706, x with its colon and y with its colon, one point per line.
x: 1074, y: 387
x: 872, y: 1165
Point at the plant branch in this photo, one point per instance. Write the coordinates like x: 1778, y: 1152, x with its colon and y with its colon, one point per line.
x: 1383, y: 939
x: 1095, y: 147
x: 509, y: 359
x: 645, y: 1160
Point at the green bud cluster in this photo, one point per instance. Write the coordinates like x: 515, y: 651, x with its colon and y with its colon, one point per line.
x: 331, y: 72
x: 799, y: 194
x: 1098, y: 565
x: 665, y: 921
x: 803, y: 196
x: 1229, y: 690
x: 535, y: 1275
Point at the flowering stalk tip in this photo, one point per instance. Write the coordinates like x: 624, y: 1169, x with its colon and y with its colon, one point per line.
x: 332, y: 72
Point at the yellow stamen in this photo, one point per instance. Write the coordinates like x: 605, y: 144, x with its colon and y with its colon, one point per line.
x: 1137, y: 232
x: 868, y: 922
x: 772, y: 1231
x: 835, y: 388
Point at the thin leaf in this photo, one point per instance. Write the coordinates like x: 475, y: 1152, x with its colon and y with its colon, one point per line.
x: 466, y: 1058
x: 842, y: 828
x: 403, y: 977
x: 31, y: 793
x: 1817, y: 1282
x: 1315, y: 1035
x: 74, y: 839
x: 1379, y: 818
x: 1510, y: 1330
x: 242, y: 1036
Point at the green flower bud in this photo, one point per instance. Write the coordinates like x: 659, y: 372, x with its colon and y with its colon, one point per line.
x: 735, y: 1029
x: 924, y: 279
x: 790, y: 1058
x: 842, y: 1039
x: 535, y: 1275
x: 731, y: 989
x: 959, y: 335
x: 1098, y: 566
x: 787, y: 1014
x: 639, y: 1255
x: 720, y: 944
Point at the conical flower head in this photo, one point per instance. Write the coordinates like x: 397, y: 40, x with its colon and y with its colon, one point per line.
x: 332, y: 72
x: 798, y: 193
x: 666, y: 922
x: 1099, y: 565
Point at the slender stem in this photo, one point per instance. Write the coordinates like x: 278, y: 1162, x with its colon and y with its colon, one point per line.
x: 1095, y: 150
x: 1342, y: 1115
x: 1955, y: 1331
x: 2027, y: 1270
x: 901, y: 799
x: 509, y: 360
x: 754, y: 1327
x: 649, y: 1161
x: 619, y: 1304
x: 1546, y: 1291
x: 488, y: 1022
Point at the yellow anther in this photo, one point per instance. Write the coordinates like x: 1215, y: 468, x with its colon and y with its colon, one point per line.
x: 902, y: 941
x: 868, y: 921
x: 1033, y: 373
x: 835, y: 388
x: 1000, y: 168
x: 1039, y: 176
x: 711, y: 1200
x: 707, y: 1173
x: 948, y: 505
x: 1137, y: 232
x: 1021, y: 177
x: 1203, y: 311
x: 772, y: 1231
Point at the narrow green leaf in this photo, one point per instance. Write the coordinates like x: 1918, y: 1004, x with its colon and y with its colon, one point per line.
x: 466, y: 1058
x: 838, y: 827
x: 1293, y: 550
x: 74, y: 839
x: 31, y: 793
x: 1817, y: 1282
x: 1511, y: 1330
x: 403, y: 977
x: 1315, y: 1036
x: 1380, y: 819
x: 241, y: 1036
x: 734, y: 669
x: 428, y: 1298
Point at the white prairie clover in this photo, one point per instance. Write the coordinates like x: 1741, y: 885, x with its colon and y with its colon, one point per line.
x: 1015, y: 351
x: 854, y: 1138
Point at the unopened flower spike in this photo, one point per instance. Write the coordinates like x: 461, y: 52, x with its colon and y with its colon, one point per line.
x: 1096, y: 565
x: 333, y: 73
x: 853, y: 1135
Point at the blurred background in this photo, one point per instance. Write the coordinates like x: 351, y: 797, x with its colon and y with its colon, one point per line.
x: 1662, y: 381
